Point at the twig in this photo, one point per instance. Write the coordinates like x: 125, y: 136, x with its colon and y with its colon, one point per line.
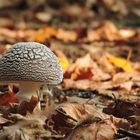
x: 129, y: 55
x: 53, y: 136
x: 115, y: 99
x: 59, y: 111
x: 129, y: 133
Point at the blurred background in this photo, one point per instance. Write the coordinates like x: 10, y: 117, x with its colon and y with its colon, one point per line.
x: 68, y: 21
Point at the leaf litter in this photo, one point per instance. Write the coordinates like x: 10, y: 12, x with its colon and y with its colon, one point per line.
x: 99, y: 96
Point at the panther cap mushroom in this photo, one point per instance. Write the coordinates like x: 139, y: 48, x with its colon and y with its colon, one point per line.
x: 30, y: 64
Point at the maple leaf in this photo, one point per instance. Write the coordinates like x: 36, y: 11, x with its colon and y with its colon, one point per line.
x: 8, y: 98
x: 81, y: 69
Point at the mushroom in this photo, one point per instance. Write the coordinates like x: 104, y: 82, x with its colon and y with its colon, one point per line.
x: 30, y: 64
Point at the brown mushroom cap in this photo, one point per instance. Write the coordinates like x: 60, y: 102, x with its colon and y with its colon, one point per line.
x: 30, y: 61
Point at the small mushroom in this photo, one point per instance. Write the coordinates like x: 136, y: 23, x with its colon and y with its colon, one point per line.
x: 30, y: 64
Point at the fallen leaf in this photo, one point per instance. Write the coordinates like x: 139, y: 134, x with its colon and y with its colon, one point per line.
x: 109, y: 31
x: 3, y: 120
x: 106, y: 31
x: 102, y: 130
x: 43, y: 16
x: 68, y: 115
x: 27, y: 106
x: 66, y: 35
x: 121, y: 63
x: 81, y: 69
x: 65, y: 117
x: 121, y: 77
x: 62, y: 58
x: 24, y: 128
x: 105, y: 65
x: 126, y: 34
x: 115, y: 108
x: 8, y: 98
x: 43, y: 34
x: 79, y: 84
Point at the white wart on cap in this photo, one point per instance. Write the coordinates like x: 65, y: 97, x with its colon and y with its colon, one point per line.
x: 30, y: 64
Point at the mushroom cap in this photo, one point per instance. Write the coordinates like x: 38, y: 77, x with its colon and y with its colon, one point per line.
x: 30, y: 61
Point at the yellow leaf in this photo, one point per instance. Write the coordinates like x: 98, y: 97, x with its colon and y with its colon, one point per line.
x: 64, y: 62
x: 120, y: 62
x: 62, y: 58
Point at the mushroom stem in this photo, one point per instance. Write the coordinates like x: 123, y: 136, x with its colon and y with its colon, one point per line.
x: 46, y: 96
x: 27, y: 90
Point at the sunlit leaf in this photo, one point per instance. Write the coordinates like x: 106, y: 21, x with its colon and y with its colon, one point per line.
x: 64, y: 62
x: 120, y: 62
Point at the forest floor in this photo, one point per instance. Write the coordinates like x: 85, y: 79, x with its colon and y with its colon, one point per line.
x: 99, y: 97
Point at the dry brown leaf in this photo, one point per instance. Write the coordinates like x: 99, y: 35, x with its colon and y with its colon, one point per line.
x: 115, y: 108
x: 87, y: 84
x: 43, y: 16
x: 3, y: 120
x: 81, y: 69
x: 104, y: 130
x: 25, y: 128
x: 68, y: 115
x: 126, y: 33
x: 79, y: 84
x: 61, y: 120
x: 127, y: 86
x: 27, y: 106
x: 106, y: 31
x: 121, y: 77
x: 105, y: 65
x: 110, y: 32
x: 125, y: 81
x: 66, y: 35
x: 92, y: 35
